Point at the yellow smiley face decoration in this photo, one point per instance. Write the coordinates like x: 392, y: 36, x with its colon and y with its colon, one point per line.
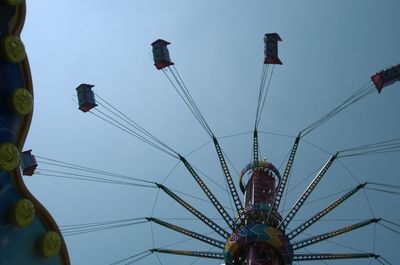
x: 9, y: 157
x: 21, y: 101
x: 12, y: 49
x: 22, y: 213
x: 50, y: 244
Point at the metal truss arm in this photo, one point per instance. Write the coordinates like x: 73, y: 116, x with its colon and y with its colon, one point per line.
x: 329, y: 256
x: 295, y: 232
x: 315, y: 239
x: 231, y: 185
x: 255, y: 146
x: 296, y: 207
x: 286, y: 174
x: 208, y: 240
x: 195, y: 212
x: 201, y: 254
x: 209, y: 194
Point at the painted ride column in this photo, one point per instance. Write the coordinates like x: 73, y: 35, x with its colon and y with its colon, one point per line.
x: 260, y: 191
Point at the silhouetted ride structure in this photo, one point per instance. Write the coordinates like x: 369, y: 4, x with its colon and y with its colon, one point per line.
x: 259, y: 233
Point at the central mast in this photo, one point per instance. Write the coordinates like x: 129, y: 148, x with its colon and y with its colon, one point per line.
x: 257, y: 241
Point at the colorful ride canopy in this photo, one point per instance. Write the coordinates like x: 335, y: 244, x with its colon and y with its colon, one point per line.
x: 161, y: 54
x: 271, y: 48
x: 386, y: 77
x: 86, y: 97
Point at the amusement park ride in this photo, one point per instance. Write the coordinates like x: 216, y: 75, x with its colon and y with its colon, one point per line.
x: 257, y: 235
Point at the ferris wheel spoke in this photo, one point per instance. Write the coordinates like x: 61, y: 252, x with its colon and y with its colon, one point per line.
x: 201, y: 254
x: 222, y: 232
x: 315, y: 239
x: 231, y: 185
x: 286, y: 174
x: 293, y: 211
x: 331, y: 256
x: 295, y: 232
x: 206, y: 239
x: 138, y: 257
x: 209, y: 194
x: 255, y: 146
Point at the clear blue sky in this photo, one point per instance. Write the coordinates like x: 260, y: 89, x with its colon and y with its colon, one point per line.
x: 329, y: 50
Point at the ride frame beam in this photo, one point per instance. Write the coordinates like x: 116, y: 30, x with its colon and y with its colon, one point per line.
x: 330, y: 256
x: 286, y: 174
x: 222, y: 232
x: 200, y: 254
x: 295, y: 232
x: 255, y: 146
x: 205, y: 239
x: 315, y: 239
x: 209, y: 194
x: 296, y: 207
x: 231, y: 185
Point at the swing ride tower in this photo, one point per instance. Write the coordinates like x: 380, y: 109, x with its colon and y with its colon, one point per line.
x: 257, y: 241
x: 259, y: 234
